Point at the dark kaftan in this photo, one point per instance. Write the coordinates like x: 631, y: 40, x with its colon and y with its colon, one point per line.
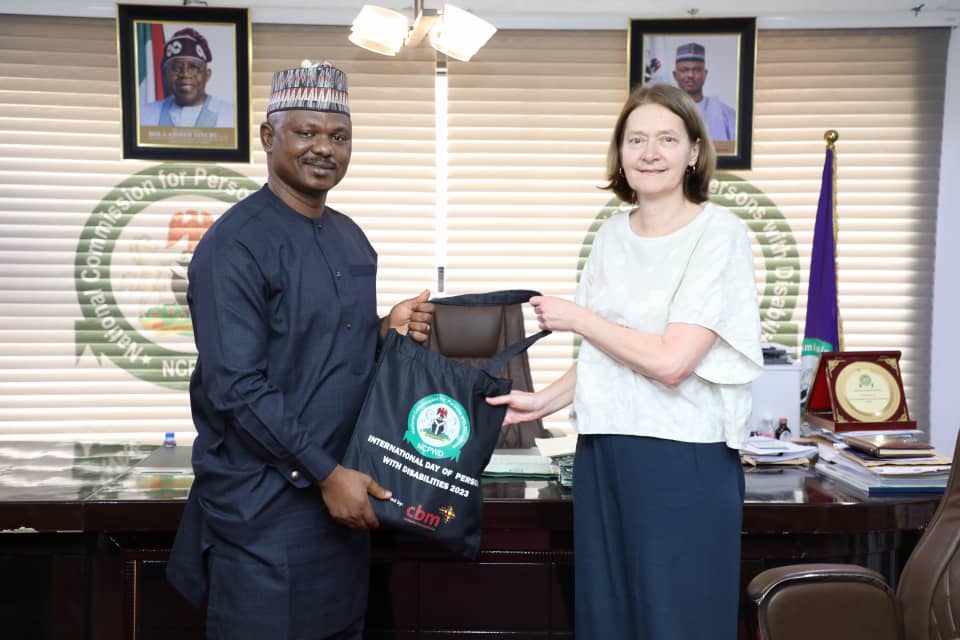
x: 285, y: 322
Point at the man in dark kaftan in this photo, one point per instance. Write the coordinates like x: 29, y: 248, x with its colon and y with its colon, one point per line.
x: 282, y: 293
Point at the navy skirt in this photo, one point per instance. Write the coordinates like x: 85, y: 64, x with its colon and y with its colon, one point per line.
x: 656, y: 539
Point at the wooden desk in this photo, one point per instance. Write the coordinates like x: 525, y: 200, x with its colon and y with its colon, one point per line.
x: 93, y: 566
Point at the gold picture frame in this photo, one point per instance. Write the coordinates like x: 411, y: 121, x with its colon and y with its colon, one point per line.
x: 193, y: 110
x: 858, y: 390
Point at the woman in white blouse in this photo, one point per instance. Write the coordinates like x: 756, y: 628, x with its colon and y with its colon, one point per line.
x: 667, y: 309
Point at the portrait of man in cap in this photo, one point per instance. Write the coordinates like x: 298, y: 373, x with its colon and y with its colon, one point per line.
x: 185, y: 68
x: 690, y: 74
x: 283, y: 299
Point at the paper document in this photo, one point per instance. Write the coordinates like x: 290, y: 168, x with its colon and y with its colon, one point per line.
x: 525, y: 463
x: 555, y: 447
x: 762, y: 449
x: 169, y: 460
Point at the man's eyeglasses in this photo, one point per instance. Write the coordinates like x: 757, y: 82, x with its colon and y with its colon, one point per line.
x: 185, y: 68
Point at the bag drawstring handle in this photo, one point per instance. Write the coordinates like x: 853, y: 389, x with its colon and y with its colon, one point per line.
x: 496, y: 299
x: 500, y: 360
x: 489, y: 299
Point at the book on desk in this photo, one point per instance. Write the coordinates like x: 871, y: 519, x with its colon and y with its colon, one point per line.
x: 893, y: 445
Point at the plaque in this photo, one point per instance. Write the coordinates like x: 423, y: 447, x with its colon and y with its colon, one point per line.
x: 857, y: 391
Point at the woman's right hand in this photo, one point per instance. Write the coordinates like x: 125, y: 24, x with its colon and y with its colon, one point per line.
x: 522, y: 406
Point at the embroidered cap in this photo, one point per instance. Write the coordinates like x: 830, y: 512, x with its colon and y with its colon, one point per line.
x: 187, y: 43
x: 691, y: 51
x: 311, y: 87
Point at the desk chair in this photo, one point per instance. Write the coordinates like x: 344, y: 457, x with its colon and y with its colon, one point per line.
x: 473, y: 334
x: 848, y: 602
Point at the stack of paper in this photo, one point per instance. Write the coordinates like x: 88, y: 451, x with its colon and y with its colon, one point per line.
x: 520, y: 463
x: 883, y: 476
x: 762, y: 450
x: 561, y: 452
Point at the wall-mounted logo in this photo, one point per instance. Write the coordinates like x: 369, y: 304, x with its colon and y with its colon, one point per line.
x: 131, y: 263
x: 437, y: 427
x: 773, y: 238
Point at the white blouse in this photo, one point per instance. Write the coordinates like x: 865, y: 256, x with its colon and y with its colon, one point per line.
x: 700, y: 274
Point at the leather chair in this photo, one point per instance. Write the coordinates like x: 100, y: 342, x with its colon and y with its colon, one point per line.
x: 848, y: 602
x: 473, y: 334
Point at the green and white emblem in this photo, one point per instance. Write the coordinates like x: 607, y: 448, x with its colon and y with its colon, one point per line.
x: 131, y: 267
x: 438, y: 427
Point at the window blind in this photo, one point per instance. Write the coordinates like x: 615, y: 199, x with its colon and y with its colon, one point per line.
x: 60, y: 158
x: 882, y: 90
x: 529, y: 121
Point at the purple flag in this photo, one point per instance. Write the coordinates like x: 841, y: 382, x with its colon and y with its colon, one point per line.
x: 822, y: 331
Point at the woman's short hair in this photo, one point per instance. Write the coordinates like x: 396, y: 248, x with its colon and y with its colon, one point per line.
x: 696, y: 182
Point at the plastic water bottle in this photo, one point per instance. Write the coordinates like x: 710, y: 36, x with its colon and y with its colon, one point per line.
x: 169, y: 440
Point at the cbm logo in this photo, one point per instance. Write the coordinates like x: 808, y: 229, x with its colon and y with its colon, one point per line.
x: 422, y: 518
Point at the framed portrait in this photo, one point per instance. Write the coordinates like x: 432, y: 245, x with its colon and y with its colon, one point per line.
x: 713, y: 61
x: 184, y: 82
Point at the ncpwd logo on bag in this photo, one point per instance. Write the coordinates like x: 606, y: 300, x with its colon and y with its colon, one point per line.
x: 438, y: 427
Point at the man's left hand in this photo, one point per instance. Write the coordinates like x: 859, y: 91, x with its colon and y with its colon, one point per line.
x: 345, y: 493
x: 414, y: 316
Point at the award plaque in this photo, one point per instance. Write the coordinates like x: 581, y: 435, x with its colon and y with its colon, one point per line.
x: 858, y: 390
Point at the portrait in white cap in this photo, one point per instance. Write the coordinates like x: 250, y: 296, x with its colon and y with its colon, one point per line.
x: 189, y: 64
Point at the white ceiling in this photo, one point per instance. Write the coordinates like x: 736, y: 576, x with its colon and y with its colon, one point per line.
x: 595, y: 14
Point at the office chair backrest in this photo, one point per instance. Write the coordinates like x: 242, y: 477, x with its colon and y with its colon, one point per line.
x: 473, y: 334
x: 929, y: 588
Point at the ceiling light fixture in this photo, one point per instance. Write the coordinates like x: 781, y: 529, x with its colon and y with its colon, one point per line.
x: 453, y: 31
x: 379, y: 30
x: 459, y: 33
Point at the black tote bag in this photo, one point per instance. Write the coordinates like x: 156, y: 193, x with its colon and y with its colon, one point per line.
x: 426, y: 432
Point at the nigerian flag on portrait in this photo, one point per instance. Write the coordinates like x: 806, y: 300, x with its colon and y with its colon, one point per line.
x: 149, y: 56
x: 822, y: 332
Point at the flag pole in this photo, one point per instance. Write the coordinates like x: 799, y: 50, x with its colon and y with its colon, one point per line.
x: 830, y: 136
x: 822, y: 329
